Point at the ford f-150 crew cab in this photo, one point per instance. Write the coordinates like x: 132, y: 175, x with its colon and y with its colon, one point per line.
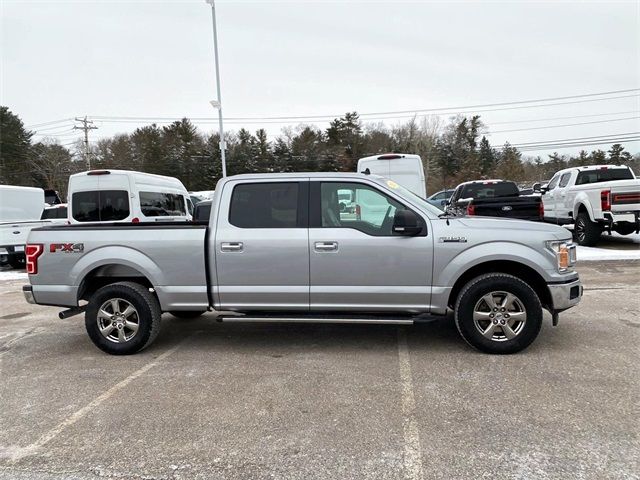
x: 277, y: 248
x: 595, y: 198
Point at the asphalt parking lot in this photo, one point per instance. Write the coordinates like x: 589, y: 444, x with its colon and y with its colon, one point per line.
x: 211, y: 400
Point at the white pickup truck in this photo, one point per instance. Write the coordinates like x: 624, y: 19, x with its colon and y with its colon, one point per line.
x: 594, y: 198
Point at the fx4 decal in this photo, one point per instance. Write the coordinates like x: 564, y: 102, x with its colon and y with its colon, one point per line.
x: 66, y: 247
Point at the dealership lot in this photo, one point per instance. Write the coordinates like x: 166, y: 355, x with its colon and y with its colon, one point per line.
x: 211, y: 400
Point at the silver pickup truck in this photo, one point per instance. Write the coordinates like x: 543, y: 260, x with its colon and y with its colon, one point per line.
x: 278, y: 248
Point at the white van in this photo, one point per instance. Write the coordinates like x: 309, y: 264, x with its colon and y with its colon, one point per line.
x: 405, y: 169
x: 126, y: 196
x: 20, y: 203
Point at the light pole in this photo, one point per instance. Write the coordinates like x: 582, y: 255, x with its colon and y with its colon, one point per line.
x: 218, y: 103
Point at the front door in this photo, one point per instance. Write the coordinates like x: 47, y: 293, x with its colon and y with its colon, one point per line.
x: 356, y: 261
x: 262, y: 246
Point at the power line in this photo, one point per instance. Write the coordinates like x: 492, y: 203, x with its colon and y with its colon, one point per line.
x: 48, y: 123
x: 566, y: 118
x: 560, y: 126
x: 414, y: 112
x: 592, y: 137
x: 575, y: 145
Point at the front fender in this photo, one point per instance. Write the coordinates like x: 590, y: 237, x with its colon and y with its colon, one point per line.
x: 116, y: 255
x: 536, y: 259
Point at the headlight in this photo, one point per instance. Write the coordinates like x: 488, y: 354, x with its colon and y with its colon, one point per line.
x: 565, y: 253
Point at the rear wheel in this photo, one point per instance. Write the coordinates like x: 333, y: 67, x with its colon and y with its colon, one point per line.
x: 186, y: 314
x: 123, y: 318
x: 498, y: 313
x: 587, y: 233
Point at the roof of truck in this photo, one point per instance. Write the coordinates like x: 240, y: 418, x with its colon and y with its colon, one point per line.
x: 303, y: 175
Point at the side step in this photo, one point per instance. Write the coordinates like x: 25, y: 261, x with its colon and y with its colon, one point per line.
x: 335, y: 318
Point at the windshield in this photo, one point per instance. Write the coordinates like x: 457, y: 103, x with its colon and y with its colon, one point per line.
x: 409, y: 195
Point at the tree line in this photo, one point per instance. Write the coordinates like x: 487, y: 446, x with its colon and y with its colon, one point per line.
x: 452, y: 152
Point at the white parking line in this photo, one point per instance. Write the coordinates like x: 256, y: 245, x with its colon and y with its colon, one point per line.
x: 412, y: 451
x: 79, y: 414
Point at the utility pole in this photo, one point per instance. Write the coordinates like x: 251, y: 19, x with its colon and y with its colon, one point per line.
x: 86, y: 126
x: 218, y: 103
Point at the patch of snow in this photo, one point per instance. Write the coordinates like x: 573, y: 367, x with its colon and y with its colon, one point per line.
x: 595, y: 253
x: 7, y: 275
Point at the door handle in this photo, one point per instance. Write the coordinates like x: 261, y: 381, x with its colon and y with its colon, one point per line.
x: 231, y: 246
x: 326, y: 246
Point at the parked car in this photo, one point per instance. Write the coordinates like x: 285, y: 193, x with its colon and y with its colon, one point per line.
x: 494, y: 198
x: 403, y: 168
x: 595, y: 198
x: 126, y: 196
x: 439, y: 199
x: 20, y: 210
x: 277, y: 248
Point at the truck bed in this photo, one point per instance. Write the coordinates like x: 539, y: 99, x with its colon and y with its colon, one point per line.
x: 523, y: 208
x: 123, y: 250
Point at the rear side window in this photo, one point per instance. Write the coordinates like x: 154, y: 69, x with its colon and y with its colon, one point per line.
x: 100, y: 206
x: 264, y: 205
x: 564, y: 179
x: 157, y: 204
x: 603, y: 175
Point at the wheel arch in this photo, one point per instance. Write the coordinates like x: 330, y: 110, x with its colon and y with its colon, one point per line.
x: 510, y: 267
x: 107, y: 274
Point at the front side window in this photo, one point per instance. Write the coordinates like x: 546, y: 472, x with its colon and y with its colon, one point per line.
x: 100, y: 206
x: 158, y: 204
x: 564, y: 180
x: 264, y: 205
x: 372, y: 211
x: 554, y: 182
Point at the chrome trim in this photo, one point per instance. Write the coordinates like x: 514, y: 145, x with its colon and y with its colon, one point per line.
x: 560, y: 295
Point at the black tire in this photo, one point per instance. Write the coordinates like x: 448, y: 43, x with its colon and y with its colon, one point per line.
x: 625, y: 228
x: 587, y: 233
x: 147, y: 315
x: 471, y: 297
x: 187, y: 314
x: 19, y: 262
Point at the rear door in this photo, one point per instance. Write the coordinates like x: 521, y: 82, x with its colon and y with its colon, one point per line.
x: 262, y: 246
x: 563, y: 202
x: 357, y: 262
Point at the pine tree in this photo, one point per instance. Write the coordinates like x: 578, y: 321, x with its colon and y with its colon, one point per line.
x: 15, y: 148
x: 487, y: 158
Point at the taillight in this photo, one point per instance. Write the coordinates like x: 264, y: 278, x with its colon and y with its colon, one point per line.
x: 541, y: 209
x: 471, y: 209
x: 358, y: 212
x: 605, y: 200
x: 32, y: 252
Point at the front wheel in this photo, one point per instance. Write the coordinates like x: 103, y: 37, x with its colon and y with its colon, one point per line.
x: 123, y: 318
x: 498, y: 313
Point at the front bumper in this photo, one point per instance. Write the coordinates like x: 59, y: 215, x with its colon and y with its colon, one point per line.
x: 565, y: 295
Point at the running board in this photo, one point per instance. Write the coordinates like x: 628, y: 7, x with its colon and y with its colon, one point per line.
x: 275, y: 318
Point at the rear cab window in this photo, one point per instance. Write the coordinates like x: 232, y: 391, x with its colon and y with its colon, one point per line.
x: 604, y: 175
x: 100, y: 206
x: 266, y: 205
x: 490, y: 190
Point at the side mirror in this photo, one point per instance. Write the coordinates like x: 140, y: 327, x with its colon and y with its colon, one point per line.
x: 406, y: 222
x: 537, y: 187
x: 443, y: 202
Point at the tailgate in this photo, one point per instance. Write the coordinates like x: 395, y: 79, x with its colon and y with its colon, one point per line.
x: 525, y: 208
x: 626, y: 198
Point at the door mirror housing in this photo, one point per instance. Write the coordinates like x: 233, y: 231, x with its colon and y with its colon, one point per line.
x: 537, y: 187
x: 406, y: 222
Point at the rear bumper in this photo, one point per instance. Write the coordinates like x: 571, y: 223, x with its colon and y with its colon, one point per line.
x: 611, y: 218
x: 565, y: 295
x: 55, y: 295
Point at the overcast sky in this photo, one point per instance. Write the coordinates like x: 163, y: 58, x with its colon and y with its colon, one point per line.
x: 63, y: 59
